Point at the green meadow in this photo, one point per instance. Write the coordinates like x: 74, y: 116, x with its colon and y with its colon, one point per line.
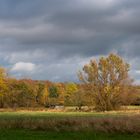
x: 44, y: 135
x: 48, y: 125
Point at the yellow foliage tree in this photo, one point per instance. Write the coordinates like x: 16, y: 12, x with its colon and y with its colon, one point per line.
x: 106, y: 80
x: 3, y: 85
x: 71, y: 88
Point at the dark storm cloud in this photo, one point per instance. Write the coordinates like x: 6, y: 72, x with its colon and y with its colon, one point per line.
x: 62, y: 32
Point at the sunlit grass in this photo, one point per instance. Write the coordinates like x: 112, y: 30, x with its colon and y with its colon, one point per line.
x: 24, y: 113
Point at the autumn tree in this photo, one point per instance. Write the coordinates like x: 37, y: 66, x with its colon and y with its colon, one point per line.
x: 41, y: 93
x: 21, y: 93
x: 53, y: 92
x: 61, y: 92
x: 70, y: 89
x: 78, y: 99
x: 106, y: 80
x: 53, y: 96
x: 3, y: 86
x: 135, y: 100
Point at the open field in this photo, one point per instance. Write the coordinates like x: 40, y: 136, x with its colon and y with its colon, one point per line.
x: 58, y: 125
x: 67, y: 113
x: 120, y: 121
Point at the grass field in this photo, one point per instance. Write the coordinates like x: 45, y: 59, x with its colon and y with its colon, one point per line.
x: 42, y: 135
x: 50, y: 125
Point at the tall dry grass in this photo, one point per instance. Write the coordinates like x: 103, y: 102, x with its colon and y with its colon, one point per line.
x: 122, y: 124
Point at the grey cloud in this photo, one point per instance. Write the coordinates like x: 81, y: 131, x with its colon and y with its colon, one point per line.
x: 48, y: 32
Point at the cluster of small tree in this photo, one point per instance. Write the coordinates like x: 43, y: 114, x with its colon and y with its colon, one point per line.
x: 105, y: 84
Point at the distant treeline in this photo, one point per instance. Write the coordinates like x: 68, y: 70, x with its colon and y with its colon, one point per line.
x: 104, y: 84
x: 34, y: 93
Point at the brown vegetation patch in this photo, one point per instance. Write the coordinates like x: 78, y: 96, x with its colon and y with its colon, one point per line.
x: 121, y: 124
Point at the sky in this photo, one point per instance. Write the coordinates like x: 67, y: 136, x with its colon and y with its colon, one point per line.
x: 53, y: 39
